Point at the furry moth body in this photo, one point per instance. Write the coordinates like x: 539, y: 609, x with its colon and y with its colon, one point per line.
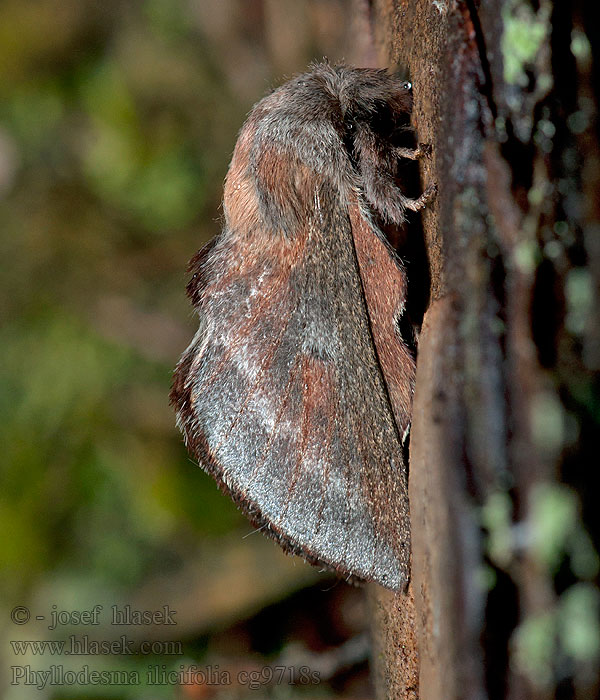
x: 296, y: 391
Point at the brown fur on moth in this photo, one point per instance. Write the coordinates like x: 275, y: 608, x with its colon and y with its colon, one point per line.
x: 296, y: 391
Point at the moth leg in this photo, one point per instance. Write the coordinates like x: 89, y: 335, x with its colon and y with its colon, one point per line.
x: 423, y: 200
x: 376, y: 163
x: 376, y: 166
x: 422, y: 150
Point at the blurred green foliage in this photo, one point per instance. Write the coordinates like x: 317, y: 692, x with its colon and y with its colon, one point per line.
x: 116, y: 127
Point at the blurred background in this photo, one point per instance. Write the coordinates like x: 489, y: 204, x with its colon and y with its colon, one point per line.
x: 117, y: 123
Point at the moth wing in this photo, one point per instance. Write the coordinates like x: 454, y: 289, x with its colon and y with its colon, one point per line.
x: 282, y: 396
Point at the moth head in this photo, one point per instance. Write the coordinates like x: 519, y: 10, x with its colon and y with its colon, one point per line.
x: 344, y: 95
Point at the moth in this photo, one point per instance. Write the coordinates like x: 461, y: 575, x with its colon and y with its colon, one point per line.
x: 295, y: 393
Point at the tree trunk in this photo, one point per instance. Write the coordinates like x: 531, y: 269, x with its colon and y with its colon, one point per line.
x: 504, y: 598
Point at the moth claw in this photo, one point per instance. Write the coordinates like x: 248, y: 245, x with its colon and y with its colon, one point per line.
x: 422, y: 150
x: 420, y: 202
x: 425, y: 149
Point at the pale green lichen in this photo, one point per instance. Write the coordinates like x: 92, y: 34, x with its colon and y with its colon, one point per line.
x: 579, y: 294
x: 564, y: 629
x: 569, y: 630
x: 526, y: 255
x: 525, y: 31
x: 537, y: 193
x: 547, y: 422
x: 585, y: 562
x: 556, y: 530
x: 578, y: 615
x: 496, y: 517
x: 553, y: 520
x: 580, y: 46
x: 534, y: 644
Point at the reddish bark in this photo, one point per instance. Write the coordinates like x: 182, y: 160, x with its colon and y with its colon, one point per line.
x: 506, y: 350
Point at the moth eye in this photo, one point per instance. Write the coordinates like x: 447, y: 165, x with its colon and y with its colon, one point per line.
x: 349, y: 124
x: 407, y: 85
